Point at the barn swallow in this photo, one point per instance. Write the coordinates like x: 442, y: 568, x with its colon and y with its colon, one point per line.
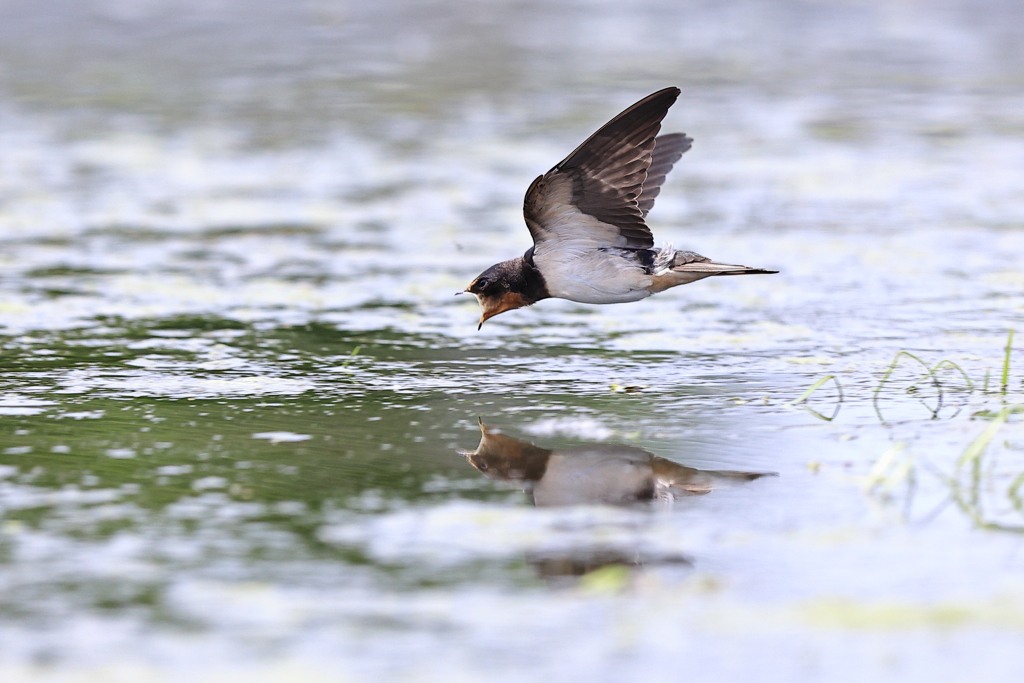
x: 610, y: 474
x: 586, y: 216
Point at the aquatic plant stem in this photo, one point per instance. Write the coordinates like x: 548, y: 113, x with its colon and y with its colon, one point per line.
x: 814, y: 387
x: 931, y: 372
x: 1006, y: 361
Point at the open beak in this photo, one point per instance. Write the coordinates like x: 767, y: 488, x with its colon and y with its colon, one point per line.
x: 488, y: 309
x: 492, y: 306
x: 488, y: 314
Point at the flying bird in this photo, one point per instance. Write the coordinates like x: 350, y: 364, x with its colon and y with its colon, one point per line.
x: 586, y: 216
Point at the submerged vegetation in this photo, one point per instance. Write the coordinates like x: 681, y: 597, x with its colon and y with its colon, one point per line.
x: 985, y: 488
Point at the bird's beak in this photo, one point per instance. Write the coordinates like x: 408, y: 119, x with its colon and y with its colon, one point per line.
x: 488, y: 314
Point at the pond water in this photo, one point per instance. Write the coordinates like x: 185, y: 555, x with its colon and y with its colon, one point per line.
x: 246, y: 431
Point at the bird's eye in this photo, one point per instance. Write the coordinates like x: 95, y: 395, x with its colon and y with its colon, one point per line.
x: 482, y: 282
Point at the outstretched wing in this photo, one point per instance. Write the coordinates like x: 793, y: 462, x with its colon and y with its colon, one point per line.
x: 592, y: 195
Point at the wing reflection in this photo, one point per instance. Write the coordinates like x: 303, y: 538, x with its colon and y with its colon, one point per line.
x: 611, y: 474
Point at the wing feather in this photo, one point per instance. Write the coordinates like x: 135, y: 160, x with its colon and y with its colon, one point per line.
x: 667, y: 151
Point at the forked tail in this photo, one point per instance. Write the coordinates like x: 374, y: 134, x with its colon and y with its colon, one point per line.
x: 673, y: 268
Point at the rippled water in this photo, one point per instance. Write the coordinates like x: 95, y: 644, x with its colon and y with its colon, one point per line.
x: 241, y: 411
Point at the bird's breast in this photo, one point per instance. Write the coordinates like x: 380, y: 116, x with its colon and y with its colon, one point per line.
x: 591, y: 275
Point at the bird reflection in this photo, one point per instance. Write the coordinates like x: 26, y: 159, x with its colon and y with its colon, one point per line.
x: 610, y: 474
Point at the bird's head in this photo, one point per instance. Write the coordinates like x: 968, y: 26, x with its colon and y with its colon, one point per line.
x: 500, y: 456
x: 500, y: 288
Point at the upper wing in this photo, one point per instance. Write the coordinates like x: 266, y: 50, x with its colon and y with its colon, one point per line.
x: 593, y: 193
x: 667, y: 150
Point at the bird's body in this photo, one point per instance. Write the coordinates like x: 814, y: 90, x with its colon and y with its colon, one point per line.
x: 586, y: 216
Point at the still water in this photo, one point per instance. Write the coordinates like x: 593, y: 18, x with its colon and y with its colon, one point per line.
x: 246, y: 431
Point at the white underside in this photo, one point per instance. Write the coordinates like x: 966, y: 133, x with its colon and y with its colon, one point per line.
x: 575, y: 268
x: 579, y: 272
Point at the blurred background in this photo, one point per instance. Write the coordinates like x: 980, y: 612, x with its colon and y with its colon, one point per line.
x: 236, y: 391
